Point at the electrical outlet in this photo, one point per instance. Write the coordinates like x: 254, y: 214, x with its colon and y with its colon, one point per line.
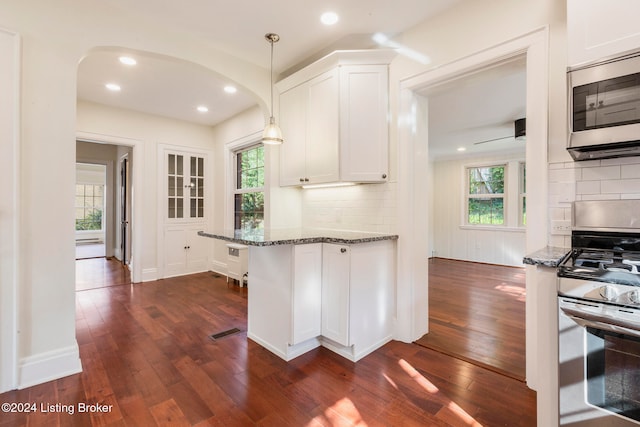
x: 561, y: 227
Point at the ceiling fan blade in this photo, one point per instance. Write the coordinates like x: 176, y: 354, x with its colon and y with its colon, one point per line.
x: 490, y: 140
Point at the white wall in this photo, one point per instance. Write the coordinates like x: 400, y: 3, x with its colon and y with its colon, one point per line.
x: 451, y: 238
x: 151, y: 131
x: 56, y: 35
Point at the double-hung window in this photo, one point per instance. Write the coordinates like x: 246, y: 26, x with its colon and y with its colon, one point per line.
x: 486, y: 195
x: 496, y: 195
x: 249, y: 188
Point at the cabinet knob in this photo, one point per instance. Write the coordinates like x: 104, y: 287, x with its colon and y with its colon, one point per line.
x: 306, y: 180
x: 343, y: 250
x: 384, y: 176
x: 301, y: 179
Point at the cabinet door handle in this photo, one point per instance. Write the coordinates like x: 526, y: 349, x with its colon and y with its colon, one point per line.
x: 306, y: 180
x: 384, y: 176
x: 301, y: 179
x: 343, y: 250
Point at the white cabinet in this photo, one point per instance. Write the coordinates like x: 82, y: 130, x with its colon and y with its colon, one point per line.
x: 335, y: 293
x: 597, y: 29
x: 338, y: 296
x: 184, y: 251
x: 334, y: 119
x: 284, y: 298
x: 183, y: 207
x: 357, y: 297
x: 309, y: 119
x: 306, y: 292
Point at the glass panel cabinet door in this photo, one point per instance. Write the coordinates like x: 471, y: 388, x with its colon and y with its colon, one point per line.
x: 185, y: 186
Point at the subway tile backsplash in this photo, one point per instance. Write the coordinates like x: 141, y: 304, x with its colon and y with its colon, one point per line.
x: 591, y: 180
x: 366, y: 207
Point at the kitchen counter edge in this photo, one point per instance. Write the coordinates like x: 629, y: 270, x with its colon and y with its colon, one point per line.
x: 550, y: 256
x: 347, y: 240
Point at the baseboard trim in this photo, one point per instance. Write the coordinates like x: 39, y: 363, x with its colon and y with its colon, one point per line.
x: 48, y: 366
x: 149, y: 274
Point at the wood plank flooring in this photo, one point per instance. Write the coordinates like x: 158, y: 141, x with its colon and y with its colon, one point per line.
x: 147, y: 356
x: 477, y: 313
x: 94, y: 273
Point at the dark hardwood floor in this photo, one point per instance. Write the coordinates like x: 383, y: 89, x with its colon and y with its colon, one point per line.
x: 146, y: 352
x: 477, y: 313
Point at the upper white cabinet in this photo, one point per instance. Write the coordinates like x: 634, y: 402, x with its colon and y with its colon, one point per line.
x: 334, y: 119
x: 598, y: 29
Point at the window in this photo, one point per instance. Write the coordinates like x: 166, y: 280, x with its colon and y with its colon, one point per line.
x: 496, y: 195
x: 249, y: 188
x: 89, y: 206
x: 485, y: 195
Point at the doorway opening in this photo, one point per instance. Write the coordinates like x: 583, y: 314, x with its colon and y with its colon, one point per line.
x: 103, y: 212
x: 477, y: 200
x: 415, y: 218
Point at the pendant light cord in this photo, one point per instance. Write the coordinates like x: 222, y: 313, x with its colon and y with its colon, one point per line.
x: 271, y: 41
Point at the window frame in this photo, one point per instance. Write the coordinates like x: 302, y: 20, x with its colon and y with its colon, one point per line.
x: 84, y: 207
x: 515, y: 173
x: 235, y: 190
x: 468, y: 195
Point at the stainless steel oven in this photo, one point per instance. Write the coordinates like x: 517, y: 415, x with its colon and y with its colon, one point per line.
x: 599, y: 317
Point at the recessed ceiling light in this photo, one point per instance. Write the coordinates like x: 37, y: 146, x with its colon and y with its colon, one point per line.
x: 462, y: 149
x: 202, y: 108
x: 113, y: 87
x: 127, y: 60
x: 329, y: 18
x: 230, y: 89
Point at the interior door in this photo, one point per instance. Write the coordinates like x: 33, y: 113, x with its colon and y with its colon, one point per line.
x: 125, y: 244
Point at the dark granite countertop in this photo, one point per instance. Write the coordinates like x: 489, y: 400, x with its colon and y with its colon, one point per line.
x: 548, y: 257
x: 295, y: 237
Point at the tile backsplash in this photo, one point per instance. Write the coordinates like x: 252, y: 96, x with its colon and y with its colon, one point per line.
x: 590, y: 180
x: 366, y: 207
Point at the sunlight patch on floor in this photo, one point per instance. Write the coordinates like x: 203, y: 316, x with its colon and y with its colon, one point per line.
x: 341, y: 413
x: 517, y: 292
x: 451, y: 412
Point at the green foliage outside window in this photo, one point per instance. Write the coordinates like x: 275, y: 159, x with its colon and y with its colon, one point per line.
x: 486, y: 195
x: 248, y: 204
x: 89, y: 205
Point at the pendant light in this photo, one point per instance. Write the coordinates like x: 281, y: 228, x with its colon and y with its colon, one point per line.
x: 272, y: 134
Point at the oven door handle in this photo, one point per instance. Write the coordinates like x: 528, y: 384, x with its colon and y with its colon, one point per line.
x: 600, y: 321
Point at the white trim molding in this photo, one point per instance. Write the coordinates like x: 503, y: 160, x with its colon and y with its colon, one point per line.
x: 10, y: 48
x: 137, y: 186
x: 412, y: 291
x: 48, y: 366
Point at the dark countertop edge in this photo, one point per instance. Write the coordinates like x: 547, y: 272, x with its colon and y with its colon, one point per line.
x: 301, y: 240
x: 549, y: 256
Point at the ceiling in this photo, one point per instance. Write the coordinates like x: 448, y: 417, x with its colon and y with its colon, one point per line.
x: 485, y: 104
x: 466, y: 112
x: 173, y: 88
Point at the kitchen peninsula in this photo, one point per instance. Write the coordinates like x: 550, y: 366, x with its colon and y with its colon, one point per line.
x: 310, y: 288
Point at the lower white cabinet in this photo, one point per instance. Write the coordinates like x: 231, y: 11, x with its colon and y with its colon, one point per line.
x: 306, y: 292
x: 184, y: 251
x: 357, y: 297
x: 335, y: 292
x: 338, y: 296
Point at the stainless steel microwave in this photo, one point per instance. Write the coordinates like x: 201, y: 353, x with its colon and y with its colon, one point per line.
x: 604, y: 109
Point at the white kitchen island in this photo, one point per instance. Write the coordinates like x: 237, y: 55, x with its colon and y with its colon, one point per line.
x: 310, y: 288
